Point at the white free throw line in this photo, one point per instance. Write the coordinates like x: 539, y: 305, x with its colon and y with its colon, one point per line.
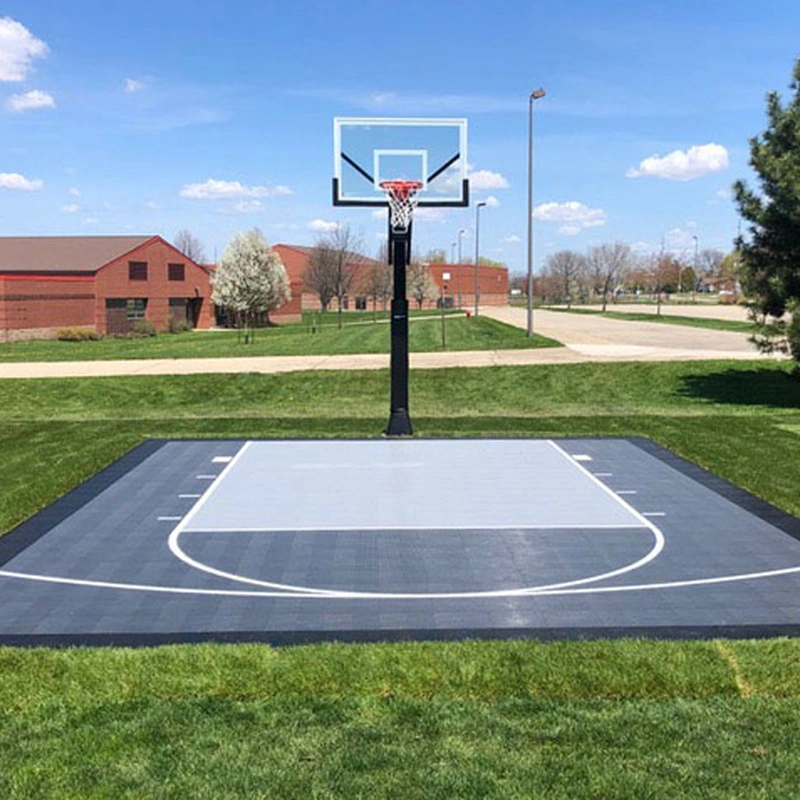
x: 412, y: 528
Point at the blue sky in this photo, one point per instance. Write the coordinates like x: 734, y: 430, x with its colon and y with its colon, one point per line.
x: 217, y: 117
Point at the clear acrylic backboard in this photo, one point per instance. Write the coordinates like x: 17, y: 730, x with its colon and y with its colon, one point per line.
x: 371, y: 150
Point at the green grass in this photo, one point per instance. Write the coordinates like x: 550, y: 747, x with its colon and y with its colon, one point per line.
x: 358, y: 336
x: 667, y: 319
x: 626, y: 719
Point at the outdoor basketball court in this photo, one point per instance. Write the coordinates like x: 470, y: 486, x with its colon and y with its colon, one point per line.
x: 294, y: 541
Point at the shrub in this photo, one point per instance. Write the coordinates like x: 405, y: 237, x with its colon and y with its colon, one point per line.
x: 142, y: 328
x: 76, y: 334
x: 178, y: 325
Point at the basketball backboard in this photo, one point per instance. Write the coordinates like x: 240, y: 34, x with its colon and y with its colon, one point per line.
x: 371, y: 150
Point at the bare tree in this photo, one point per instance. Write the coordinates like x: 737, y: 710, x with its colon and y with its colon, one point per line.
x: 608, y: 265
x: 332, y: 267
x: 376, y: 282
x: 566, y: 268
x: 190, y: 246
x: 421, y: 285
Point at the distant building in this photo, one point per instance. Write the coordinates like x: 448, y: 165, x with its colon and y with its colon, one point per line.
x: 101, y: 282
x: 492, y: 283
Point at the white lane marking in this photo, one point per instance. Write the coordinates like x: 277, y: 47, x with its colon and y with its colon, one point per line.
x: 411, y: 528
x: 323, y: 465
x: 190, y: 496
x: 627, y: 491
x: 221, y: 459
x: 206, y: 477
x: 581, y: 457
x: 169, y: 519
x: 604, y: 474
x: 654, y: 513
x: 746, y: 576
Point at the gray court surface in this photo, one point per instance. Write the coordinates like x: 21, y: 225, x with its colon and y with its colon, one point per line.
x: 291, y: 541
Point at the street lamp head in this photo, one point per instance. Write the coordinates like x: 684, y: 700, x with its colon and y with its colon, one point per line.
x: 481, y: 204
x: 538, y: 94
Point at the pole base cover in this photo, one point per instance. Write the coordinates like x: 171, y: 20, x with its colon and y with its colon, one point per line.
x: 399, y: 423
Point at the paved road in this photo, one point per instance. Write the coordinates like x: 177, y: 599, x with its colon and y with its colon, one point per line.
x: 731, y: 312
x: 586, y: 338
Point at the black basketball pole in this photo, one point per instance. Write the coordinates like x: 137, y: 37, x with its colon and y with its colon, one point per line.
x: 399, y: 257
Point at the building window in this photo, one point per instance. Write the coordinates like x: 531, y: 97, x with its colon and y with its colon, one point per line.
x: 137, y: 270
x: 176, y: 272
x: 361, y: 303
x: 135, y: 308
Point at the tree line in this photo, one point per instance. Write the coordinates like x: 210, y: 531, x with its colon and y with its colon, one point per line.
x: 603, y: 272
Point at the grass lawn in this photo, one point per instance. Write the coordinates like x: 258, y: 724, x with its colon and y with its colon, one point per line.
x: 667, y: 319
x: 620, y: 719
x: 359, y: 335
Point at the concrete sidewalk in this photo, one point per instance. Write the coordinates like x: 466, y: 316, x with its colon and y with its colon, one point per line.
x: 586, y: 338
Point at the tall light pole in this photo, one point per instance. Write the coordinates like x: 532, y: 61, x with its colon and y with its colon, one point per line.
x: 478, y: 208
x: 452, y: 252
x: 696, y: 266
x: 458, y: 277
x: 537, y: 94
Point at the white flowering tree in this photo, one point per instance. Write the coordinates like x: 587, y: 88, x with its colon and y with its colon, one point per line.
x: 421, y: 284
x: 250, y: 281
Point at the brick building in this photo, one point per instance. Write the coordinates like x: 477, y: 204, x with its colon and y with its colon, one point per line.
x: 100, y: 282
x: 492, y: 283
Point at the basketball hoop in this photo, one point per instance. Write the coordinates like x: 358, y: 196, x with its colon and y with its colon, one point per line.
x: 402, y: 197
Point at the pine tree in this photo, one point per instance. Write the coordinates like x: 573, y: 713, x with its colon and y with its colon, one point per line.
x: 770, y: 254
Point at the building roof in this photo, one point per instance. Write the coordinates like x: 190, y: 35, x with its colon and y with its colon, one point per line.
x: 352, y: 257
x: 64, y: 253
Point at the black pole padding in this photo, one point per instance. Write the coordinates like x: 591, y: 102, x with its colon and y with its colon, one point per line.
x: 399, y: 252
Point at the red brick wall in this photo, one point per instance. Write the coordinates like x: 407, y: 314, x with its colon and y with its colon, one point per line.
x: 112, y: 281
x: 45, y: 303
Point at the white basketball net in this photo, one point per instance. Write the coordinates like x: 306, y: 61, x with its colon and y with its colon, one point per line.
x: 402, y: 197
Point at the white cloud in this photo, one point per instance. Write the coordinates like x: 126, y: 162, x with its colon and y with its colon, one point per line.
x: 680, y: 239
x: 74, y: 191
x: 71, y: 208
x: 571, y: 217
x: 682, y: 165
x: 18, y: 47
x: 322, y: 226
x: 19, y: 183
x: 133, y: 85
x: 492, y: 201
x: 214, y: 189
x: 90, y: 221
x: 486, y: 179
x: 513, y: 239
x: 248, y: 206
x: 30, y: 101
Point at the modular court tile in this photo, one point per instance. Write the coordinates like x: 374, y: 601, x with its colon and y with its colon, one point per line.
x: 305, y: 540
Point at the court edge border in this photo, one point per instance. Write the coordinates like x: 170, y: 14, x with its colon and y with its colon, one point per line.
x: 765, y: 511
x: 30, y: 530
x: 390, y: 636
